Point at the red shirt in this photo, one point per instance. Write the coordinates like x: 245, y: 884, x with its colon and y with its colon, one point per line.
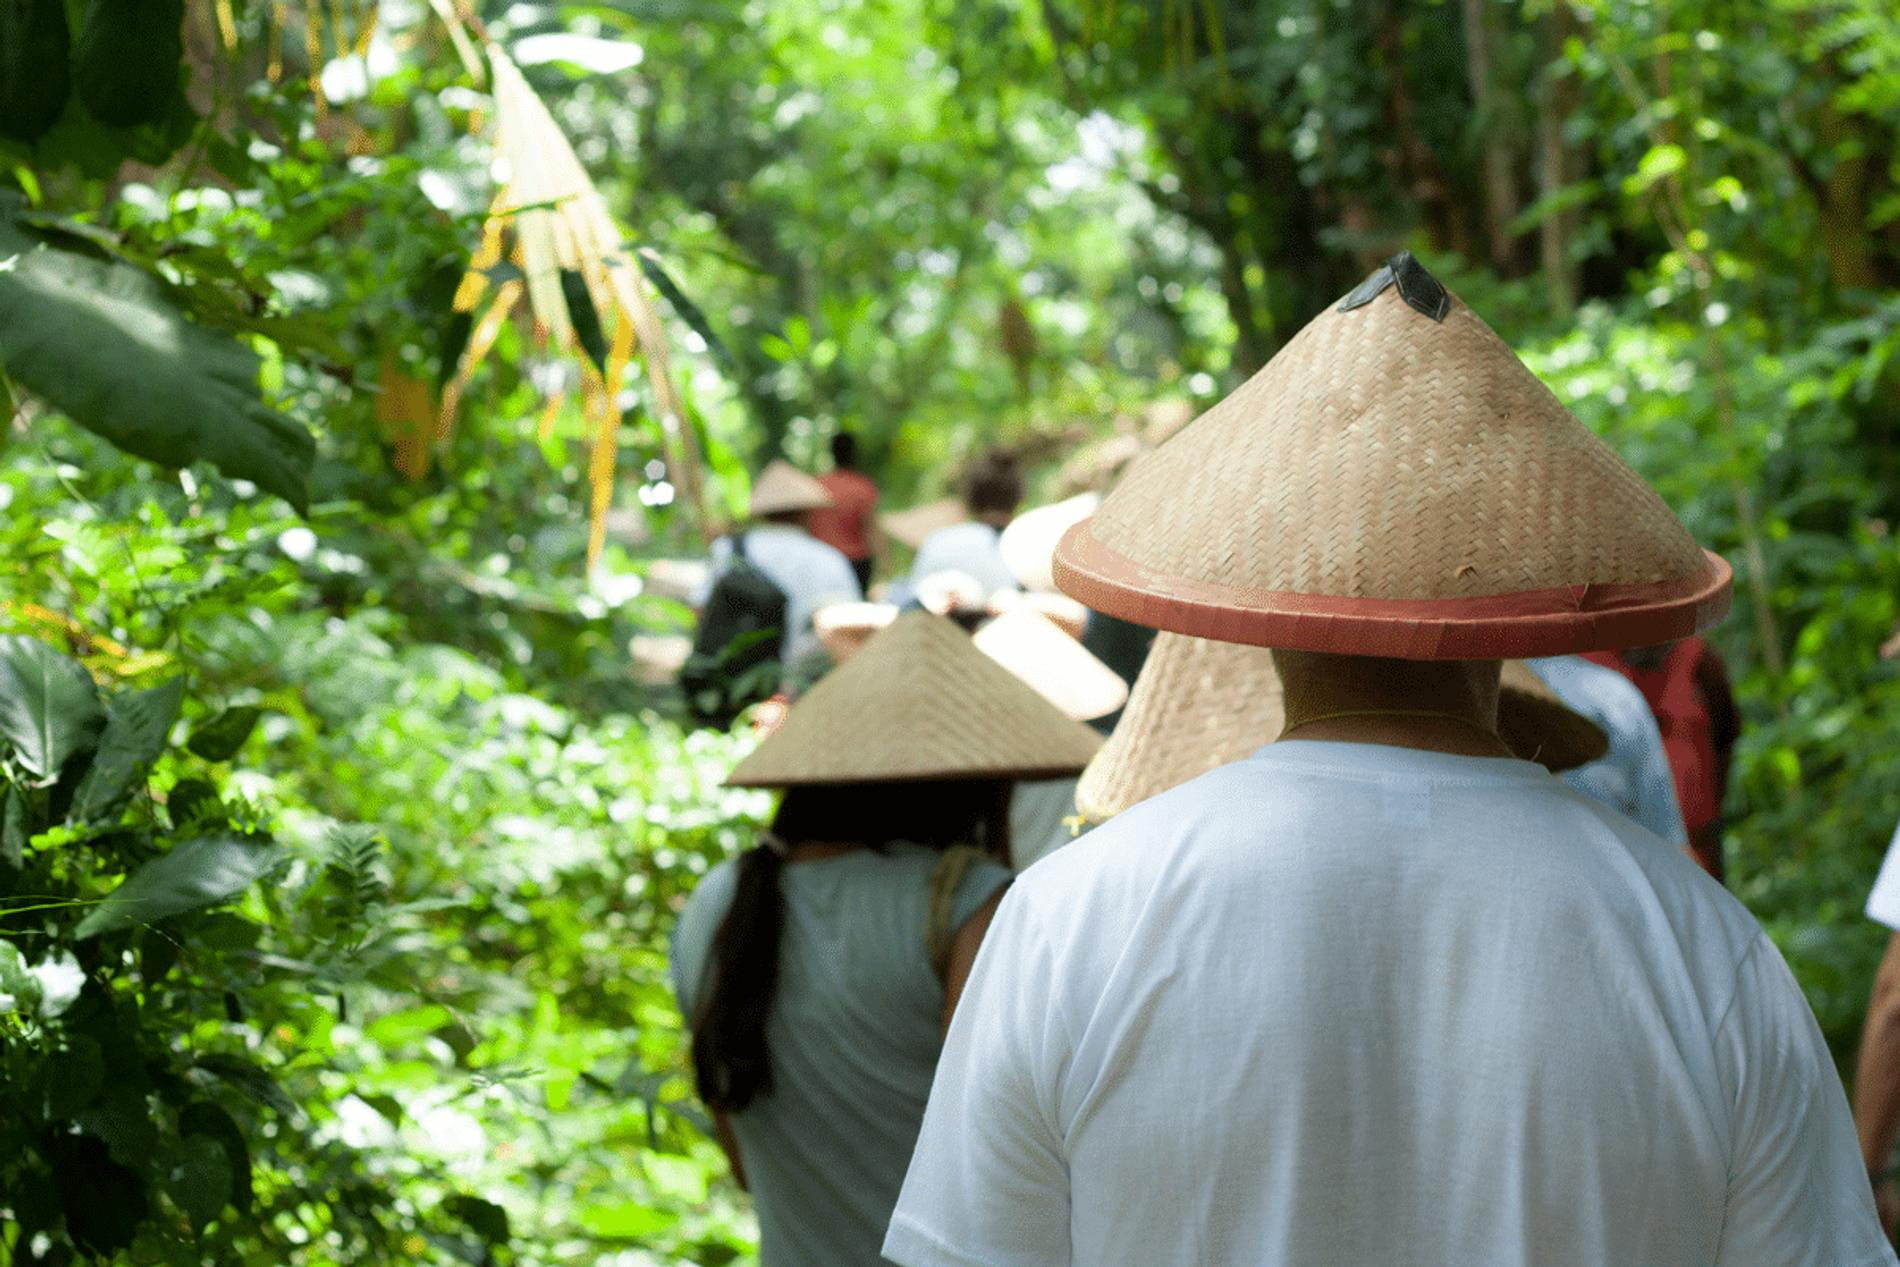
x: 846, y: 523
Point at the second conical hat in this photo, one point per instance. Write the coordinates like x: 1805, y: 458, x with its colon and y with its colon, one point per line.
x: 919, y: 701
x: 1066, y: 673
x: 1028, y: 545
x: 1200, y: 704
x: 782, y: 488
x: 1394, y: 483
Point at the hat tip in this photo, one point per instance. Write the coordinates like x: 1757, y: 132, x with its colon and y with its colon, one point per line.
x: 1417, y: 287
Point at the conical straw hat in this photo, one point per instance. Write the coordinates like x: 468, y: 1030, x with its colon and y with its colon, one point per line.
x: 912, y: 526
x: 1394, y: 483
x: 844, y: 628
x: 1069, y: 616
x: 1028, y: 545
x: 1200, y: 704
x: 782, y: 487
x: 918, y: 702
x: 1066, y: 673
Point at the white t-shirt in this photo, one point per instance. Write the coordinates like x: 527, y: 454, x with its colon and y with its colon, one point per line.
x: 811, y: 573
x: 1347, y: 1003
x: 1883, y: 903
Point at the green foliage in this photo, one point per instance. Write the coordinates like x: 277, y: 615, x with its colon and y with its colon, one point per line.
x: 34, y: 79
x: 338, y: 846
x: 100, y: 340
x: 126, y: 59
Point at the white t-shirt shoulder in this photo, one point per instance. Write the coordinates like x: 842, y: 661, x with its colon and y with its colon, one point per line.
x: 1345, y: 1003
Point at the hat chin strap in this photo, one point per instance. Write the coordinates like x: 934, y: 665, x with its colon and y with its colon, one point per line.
x: 1434, y: 714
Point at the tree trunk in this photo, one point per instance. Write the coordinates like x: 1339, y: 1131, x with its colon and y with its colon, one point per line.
x: 1557, y: 165
x: 1500, y: 173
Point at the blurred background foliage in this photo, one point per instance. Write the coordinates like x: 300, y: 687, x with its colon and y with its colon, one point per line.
x: 310, y: 425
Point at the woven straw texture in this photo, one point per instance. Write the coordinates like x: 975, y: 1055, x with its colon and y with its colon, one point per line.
x: 782, y: 487
x: 1392, y: 485
x: 918, y: 702
x: 1200, y: 704
x: 1062, y: 670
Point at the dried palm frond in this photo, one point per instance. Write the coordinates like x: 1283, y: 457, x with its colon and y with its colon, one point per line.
x: 406, y: 412
x: 549, y: 220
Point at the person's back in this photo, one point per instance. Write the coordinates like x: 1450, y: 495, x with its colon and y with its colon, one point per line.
x: 1341, y: 998
x: 810, y: 573
x: 845, y: 525
x: 855, y: 1029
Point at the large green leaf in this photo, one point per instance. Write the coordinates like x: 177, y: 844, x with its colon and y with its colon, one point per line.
x: 49, y: 708
x: 196, y: 873
x: 221, y: 737
x: 100, y: 341
x: 137, y: 725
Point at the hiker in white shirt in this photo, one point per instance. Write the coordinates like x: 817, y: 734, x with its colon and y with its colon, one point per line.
x: 810, y: 573
x: 991, y: 492
x: 1382, y: 992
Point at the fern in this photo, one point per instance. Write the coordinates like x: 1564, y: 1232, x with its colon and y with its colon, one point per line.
x: 358, y: 881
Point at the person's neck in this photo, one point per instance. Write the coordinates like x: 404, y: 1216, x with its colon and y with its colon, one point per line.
x: 815, y: 850
x: 1446, y: 707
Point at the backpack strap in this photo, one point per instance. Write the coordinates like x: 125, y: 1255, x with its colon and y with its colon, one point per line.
x: 945, y: 880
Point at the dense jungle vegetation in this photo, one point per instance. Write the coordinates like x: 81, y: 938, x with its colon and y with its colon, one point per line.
x: 359, y: 358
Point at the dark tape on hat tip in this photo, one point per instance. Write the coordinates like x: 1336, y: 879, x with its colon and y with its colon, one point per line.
x: 1417, y: 287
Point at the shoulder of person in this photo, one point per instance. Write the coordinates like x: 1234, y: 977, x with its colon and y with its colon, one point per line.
x: 713, y: 894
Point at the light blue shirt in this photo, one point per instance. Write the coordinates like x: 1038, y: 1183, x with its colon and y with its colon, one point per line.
x: 854, y: 1032
x: 1633, y: 777
x: 970, y: 548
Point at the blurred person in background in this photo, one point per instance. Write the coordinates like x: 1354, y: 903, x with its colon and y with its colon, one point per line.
x: 1687, y: 689
x: 1633, y: 777
x: 818, y: 970
x: 1877, y: 1069
x: 756, y: 601
x: 847, y: 522
x: 992, y: 489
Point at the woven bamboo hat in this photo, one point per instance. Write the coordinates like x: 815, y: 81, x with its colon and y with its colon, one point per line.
x: 782, y: 488
x: 910, y: 527
x: 918, y: 702
x: 1028, y: 545
x: 1066, y: 673
x: 1200, y: 704
x: 1394, y: 483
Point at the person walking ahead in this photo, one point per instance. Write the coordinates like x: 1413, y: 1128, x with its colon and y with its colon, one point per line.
x: 817, y: 971
x: 845, y: 524
x: 1382, y: 993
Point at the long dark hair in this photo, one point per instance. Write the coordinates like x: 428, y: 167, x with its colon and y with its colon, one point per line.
x: 731, y: 1061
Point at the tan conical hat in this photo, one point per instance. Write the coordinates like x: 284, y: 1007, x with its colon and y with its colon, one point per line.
x: 1028, y: 545
x: 782, y: 487
x: 1394, y: 483
x: 1067, y: 674
x: 1200, y: 704
x: 918, y: 702
x: 910, y: 527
